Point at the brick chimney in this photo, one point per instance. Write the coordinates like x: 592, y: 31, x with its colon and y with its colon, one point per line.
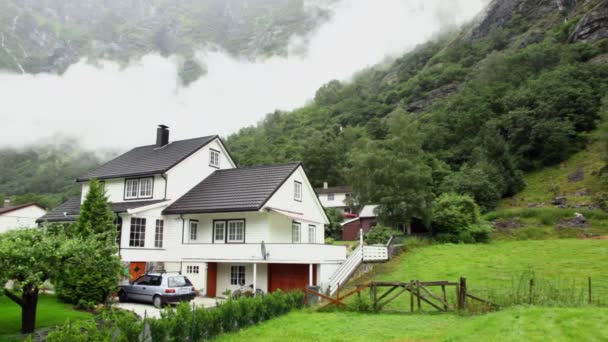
x: 162, y: 135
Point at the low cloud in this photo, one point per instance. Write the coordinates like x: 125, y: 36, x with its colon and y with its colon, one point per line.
x: 107, y: 106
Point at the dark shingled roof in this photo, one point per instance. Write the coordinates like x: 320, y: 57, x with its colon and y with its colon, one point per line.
x: 244, y: 189
x: 335, y: 190
x: 69, y: 211
x: 148, y: 160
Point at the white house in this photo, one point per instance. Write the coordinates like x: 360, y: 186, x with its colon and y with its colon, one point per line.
x: 19, y: 216
x: 186, y: 206
x: 336, y: 197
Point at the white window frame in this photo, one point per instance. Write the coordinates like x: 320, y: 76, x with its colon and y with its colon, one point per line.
x: 217, y: 227
x: 297, y: 191
x: 229, y: 233
x: 192, y: 269
x: 146, y: 186
x: 193, y: 230
x: 139, y: 188
x: 331, y: 197
x: 238, y: 275
x: 312, y: 233
x: 137, y: 233
x: 214, y: 158
x: 296, y: 237
x: 131, y: 188
x: 158, y: 233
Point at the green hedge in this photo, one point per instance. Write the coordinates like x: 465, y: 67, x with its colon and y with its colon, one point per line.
x: 182, y: 323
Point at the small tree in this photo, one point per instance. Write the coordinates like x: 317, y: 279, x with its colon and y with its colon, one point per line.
x: 456, y: 218
x: 93, y: 273
x: 394, y: 174
x: 334, y: 229
x: 29, y: 257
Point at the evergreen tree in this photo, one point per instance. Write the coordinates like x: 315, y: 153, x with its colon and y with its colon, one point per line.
x: 93, y: 273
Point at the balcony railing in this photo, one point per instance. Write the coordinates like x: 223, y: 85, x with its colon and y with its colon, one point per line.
x: 250, y: 252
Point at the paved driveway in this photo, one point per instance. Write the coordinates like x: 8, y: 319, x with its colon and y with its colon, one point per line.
x: 149, y: 310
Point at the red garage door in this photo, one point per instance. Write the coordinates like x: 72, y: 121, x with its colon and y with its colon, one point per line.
x: 289, y: 276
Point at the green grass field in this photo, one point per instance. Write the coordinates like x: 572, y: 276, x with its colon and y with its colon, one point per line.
x: 497, y: 267
x: 514, y: 324
x: 50, y: 312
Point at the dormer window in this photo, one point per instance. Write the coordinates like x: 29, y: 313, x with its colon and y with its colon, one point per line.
x: 139, y: 188
x: 297, y: 191
x: 214, y: 158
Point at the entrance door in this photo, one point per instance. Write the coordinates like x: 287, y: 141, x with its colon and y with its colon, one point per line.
x: 196, y: 273
x: 136, y: 270
x: 289, y: 276
x: 211, y: 279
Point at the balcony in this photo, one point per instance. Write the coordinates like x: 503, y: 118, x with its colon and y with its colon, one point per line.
x: 253, y: 252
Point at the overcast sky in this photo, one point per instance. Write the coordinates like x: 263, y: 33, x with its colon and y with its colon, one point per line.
x: 112, y: 107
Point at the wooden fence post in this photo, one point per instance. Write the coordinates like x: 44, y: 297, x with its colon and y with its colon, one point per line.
x: 589, y: 282
x: 418, y: 293
x: 531, y: 291
x: 445, y: 298
x: 411, y: 285
x: 463, y: 293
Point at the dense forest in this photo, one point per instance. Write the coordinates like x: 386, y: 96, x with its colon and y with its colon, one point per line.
x: 43, y: 174
x: 467, y: 113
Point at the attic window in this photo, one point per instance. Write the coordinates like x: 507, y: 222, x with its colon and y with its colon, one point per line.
x: 139, y: 188
x: 214, y: 158
x: 297, y: 191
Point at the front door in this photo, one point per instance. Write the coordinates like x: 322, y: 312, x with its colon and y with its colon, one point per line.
x: 211, y: 279
x: 136, y: 270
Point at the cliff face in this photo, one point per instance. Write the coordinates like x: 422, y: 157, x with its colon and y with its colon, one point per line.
x: 509, y: 13
x: 593, y: 26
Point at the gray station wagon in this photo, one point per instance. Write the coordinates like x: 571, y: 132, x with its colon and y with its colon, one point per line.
x: 158, y: 289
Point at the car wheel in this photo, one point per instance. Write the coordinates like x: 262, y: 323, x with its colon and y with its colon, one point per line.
x: 158, y: 302
x: 123, y: 297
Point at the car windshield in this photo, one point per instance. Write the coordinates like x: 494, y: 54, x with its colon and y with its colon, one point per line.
x: 178, y: 281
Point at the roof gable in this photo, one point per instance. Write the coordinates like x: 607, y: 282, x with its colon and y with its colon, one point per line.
x: 148, y: 160
x: 228, y: 190
x: 19, y: 206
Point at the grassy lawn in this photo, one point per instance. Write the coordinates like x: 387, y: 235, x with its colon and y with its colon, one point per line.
x: 499, y: 265
x: 515, y: 324
x: 50, y: 312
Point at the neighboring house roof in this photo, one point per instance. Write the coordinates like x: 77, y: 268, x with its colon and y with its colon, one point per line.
x: 335, y: 190
x: 228, y: 190
x: 368, y: 211
x: 148, y: 160
x: 70, y: 210
x: 5, y: 210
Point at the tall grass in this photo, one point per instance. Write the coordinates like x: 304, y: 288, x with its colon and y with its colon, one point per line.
x: 547, y: 216
x: 529, y: 289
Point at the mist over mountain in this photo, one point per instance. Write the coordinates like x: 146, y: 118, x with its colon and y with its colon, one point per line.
x: 238, y: 86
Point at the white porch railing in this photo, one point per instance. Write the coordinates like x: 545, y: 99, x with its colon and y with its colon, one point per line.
x: 375, y: 253
x: 346, y: 269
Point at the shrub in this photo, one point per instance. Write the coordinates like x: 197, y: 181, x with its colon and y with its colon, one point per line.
x: 330, y: 241
x: 456, y: 218
x: 183, y: 323
x: 381, y: 235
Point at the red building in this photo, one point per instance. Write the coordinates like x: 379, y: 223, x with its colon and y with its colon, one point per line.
x: 367, y: 220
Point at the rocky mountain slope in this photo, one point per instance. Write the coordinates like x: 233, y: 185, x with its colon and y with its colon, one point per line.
x: 517, y: 90
x: 48, y: 36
